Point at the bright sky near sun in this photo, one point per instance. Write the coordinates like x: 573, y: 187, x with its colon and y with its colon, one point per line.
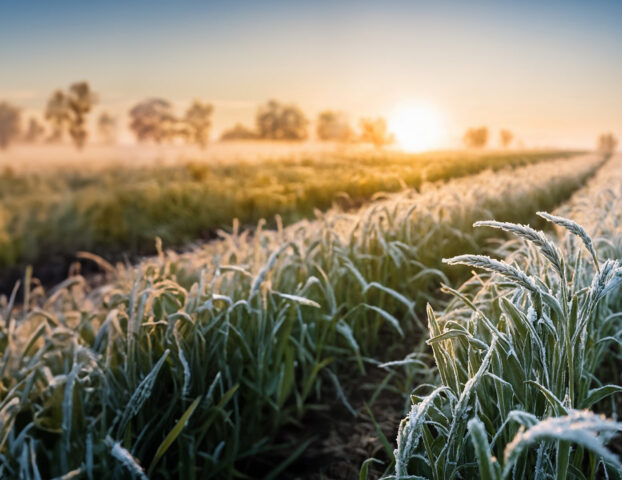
x: 550, y: 71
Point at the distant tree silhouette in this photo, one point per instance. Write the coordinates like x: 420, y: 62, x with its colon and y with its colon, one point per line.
x: 34, y: 131
x: 333, y: 126
x: 505, y: 137
x: 57, y: 113
x: 607, y: 143
x: 281, y: 122
x: 9, y: 124
x: 107, y: 126
x: 375, y: 131
x: 80, y: 101
x: 197, y: 123
x: 153, y: 119
x: 69, y: 111
x: 476, y: 137
x: 239, y: 132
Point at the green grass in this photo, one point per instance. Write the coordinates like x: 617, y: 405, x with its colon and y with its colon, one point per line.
x: 523, y: 351
x: 189, y: 365
x: 118, y: 210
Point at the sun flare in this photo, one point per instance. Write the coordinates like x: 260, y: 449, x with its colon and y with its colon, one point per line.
x: 417, y: 127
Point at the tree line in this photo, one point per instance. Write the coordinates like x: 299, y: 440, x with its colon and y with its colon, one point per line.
x: 154, y: 120
x: 478, y: 138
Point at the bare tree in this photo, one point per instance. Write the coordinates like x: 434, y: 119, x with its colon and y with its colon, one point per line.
x: 9, y: 124
x: 197, y: 123
x: 281, y: 122
x: 375, y: 131
x: 80, y: 100
x: 57, y: 113
x: 476, y: 137
x: 607, y: 143
x: 34, y: 131
x: 239, y: 132
x: 107, y: 126
x: 153, y: 119
x: 333, y: 126
x: 505, y: 138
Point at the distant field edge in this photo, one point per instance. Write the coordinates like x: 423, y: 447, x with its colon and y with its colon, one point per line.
x: 119, y: 214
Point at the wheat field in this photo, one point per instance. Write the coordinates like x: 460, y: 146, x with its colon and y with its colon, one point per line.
x: 191, y: 364
x: 325, y: 240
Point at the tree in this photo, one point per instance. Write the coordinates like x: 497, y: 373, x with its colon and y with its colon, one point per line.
x: 281, y: 122
x: 333, y: 126
x: 476, y: 137
x: 197, y: 123
x: 375, y: 131
x: 9, y: 124
x: 34, y: 131
x: 505, y: 137
x: 80, y: 101
x: 607, y: 143
x: 153, y: 119
x: 69, y: 110
x: 57, y: 113
x: 239, y: 132
x: 107, y: 126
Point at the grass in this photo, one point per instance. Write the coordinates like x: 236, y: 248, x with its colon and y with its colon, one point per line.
x: 46, y: 216
x: 524, y: 351
x: 189, y: 365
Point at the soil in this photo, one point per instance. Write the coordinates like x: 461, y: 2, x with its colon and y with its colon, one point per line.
x: 344, y: 442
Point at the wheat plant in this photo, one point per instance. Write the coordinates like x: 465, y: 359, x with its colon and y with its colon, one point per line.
x: 520, y: 354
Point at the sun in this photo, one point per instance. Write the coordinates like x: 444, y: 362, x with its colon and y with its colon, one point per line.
x: 417, y: 127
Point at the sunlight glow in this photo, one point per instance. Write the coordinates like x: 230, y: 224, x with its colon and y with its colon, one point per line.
x: 417, y: 127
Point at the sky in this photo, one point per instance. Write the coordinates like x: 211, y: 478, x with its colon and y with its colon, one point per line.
x: 549, y: 71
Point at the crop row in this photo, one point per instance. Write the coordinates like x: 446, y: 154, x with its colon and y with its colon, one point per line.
x: 45, y: 217
x: 190, y: 364
x: 525, y: 351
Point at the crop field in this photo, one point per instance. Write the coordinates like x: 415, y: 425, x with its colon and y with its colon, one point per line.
x: 330, y: 240
x: 230, y: 359
x: 119, y: 209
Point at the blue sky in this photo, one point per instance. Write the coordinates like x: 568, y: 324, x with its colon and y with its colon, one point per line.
x: 549, y: 70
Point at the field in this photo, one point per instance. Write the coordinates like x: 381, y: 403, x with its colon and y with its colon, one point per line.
x: 273, y: 240
x: 292, y: 349
x: 110, y: 206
